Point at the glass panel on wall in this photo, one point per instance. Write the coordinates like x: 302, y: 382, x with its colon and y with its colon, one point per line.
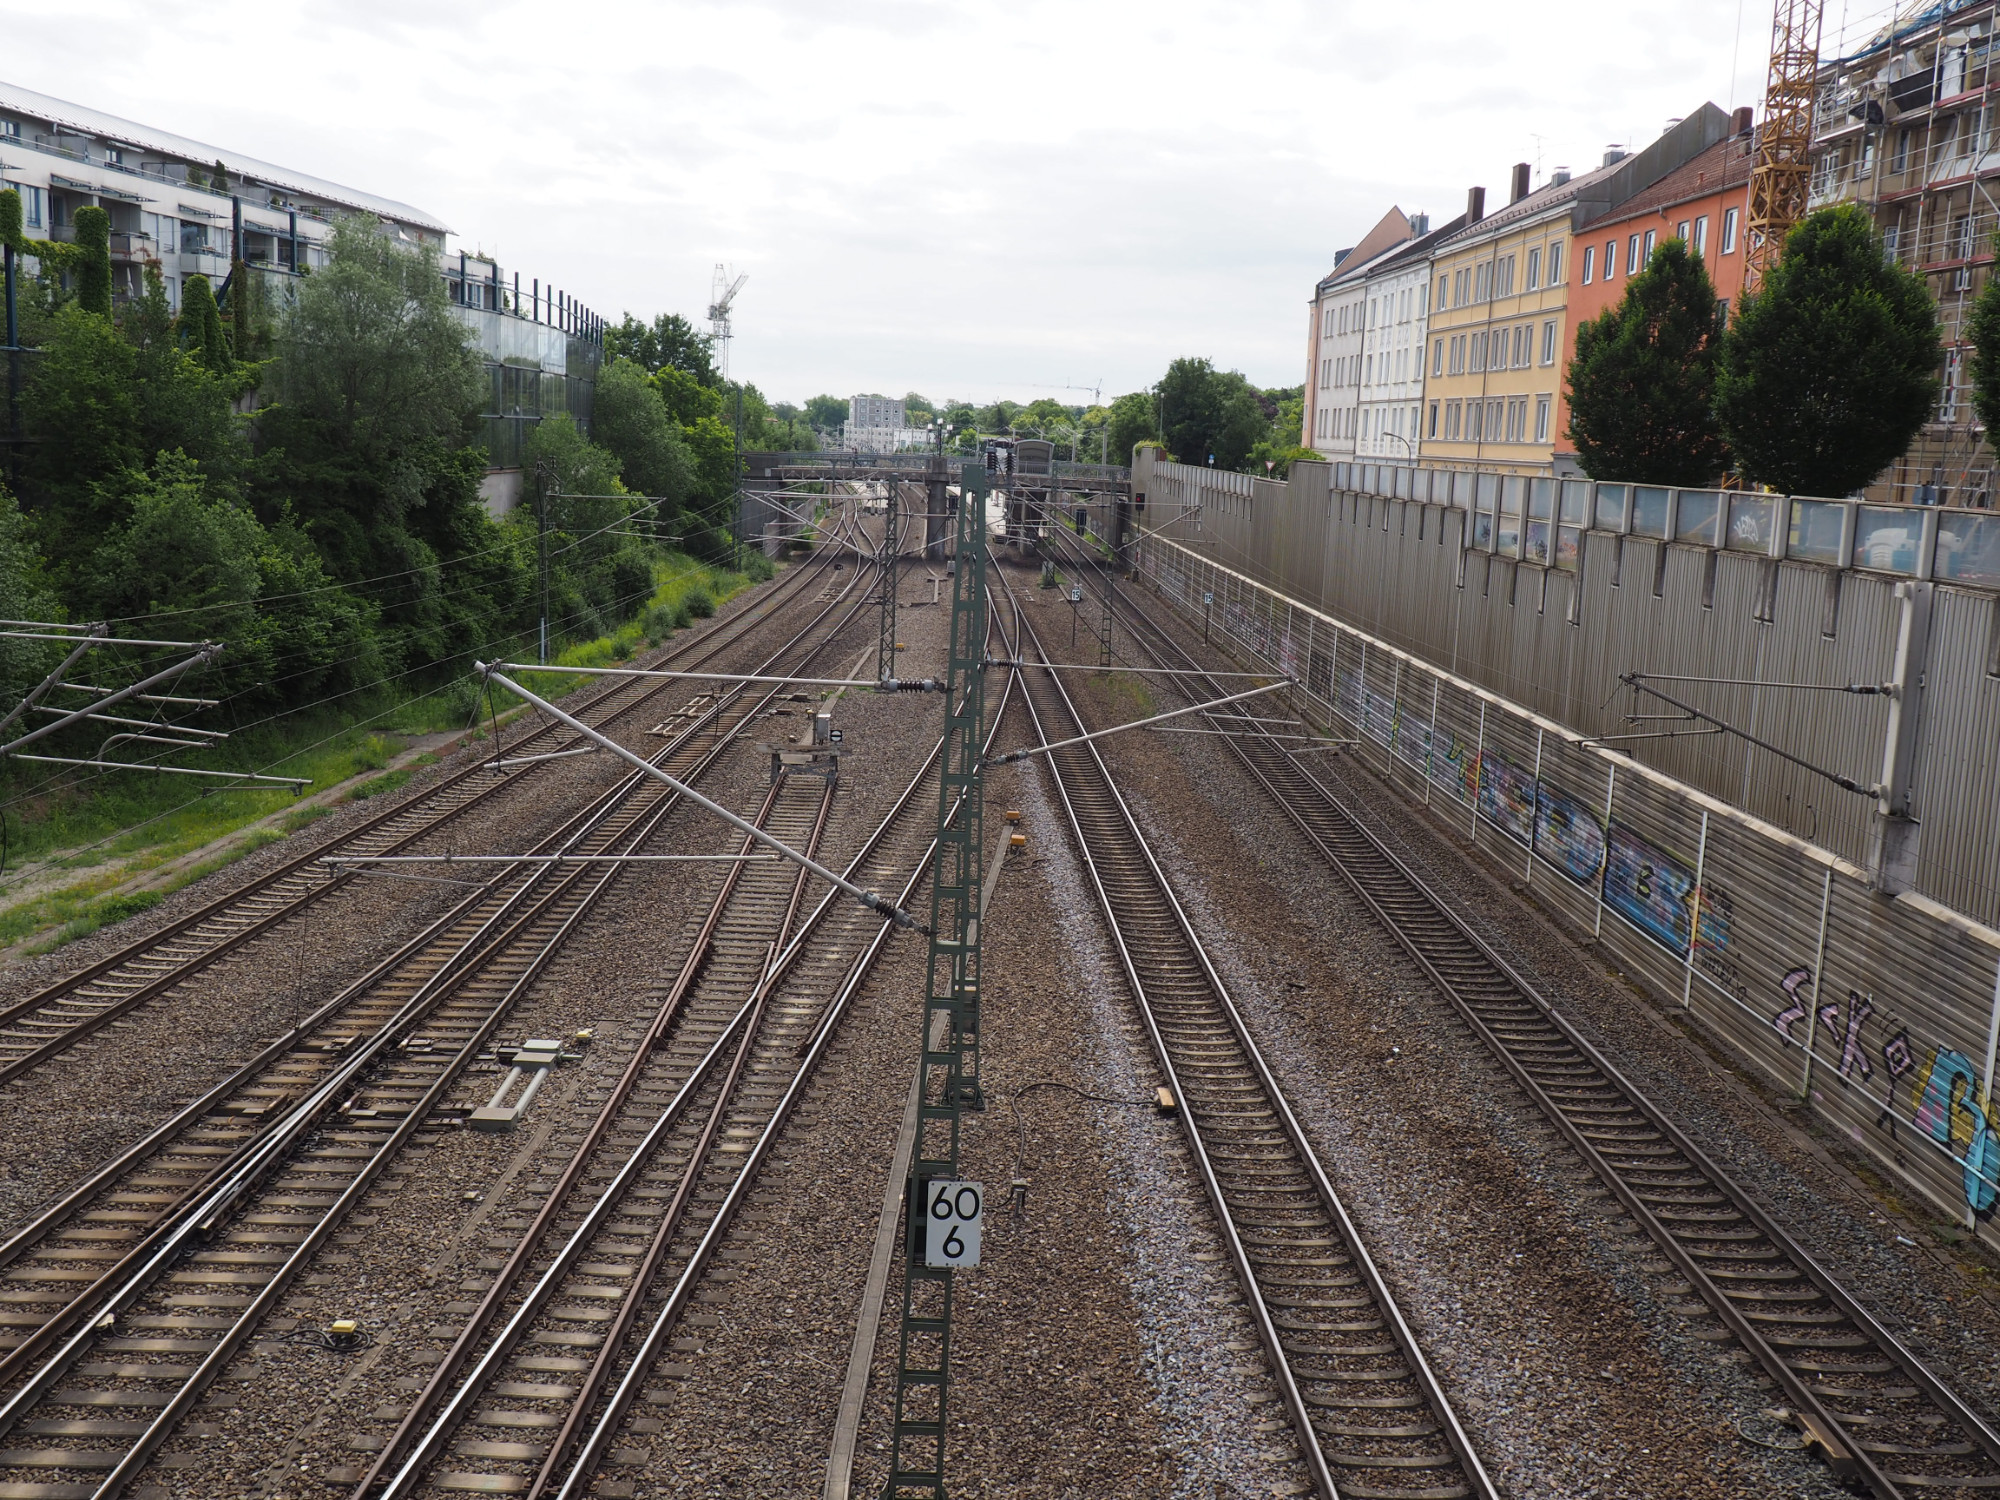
x: 1885, y: 538
x: 1575, y: 502
x: 1968, y: 548
x: 1753, y: 521
x: 1700, y: 515
x: 1649, y: 511
x: 1541, y: 499
x: 1535, y: 545
x: 1569, y: 547
x: 1611, y: 501
x: 1815, y: 535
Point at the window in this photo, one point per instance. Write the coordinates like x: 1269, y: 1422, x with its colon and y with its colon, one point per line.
x: 31, y: 204
x: 1722, y: 310
x: 1729, y: 227
x: 1368, y: 369
x: 1478, y: 353
x: 1681, y: 231
x: 1475, y: 412
x: 1649, y: 248
x: 1329, y: 324
x: 1506, y: 276
x: 1403, y: 307
x: 114, y: 156
x: 1432, y: 425
x: 1534, y: 269
x: 1589, y: 255
x: 1482, y: 286
x: 1549, y: 342
x: 1454, y: 416
x: 1555, y: 263
x: 1423, y: 299
x: 1632, y: 256
x: 1541, y: 419
x: 1700, y: 240
x: 11, y: 129
x: 1521, y: 336
x: 1900, y: 157
x: 1437, y: 361
x: 1494, y: 409
x: 1343, y: 320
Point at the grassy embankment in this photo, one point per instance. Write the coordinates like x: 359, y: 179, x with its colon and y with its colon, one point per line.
x: 141, y: 837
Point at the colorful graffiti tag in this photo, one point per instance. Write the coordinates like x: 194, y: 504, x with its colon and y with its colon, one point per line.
x: 1507, y: 796
x: 1648, y: 887
x: 1947, y: 1111
x: 1942, y: 1102
x: 1568, y: 835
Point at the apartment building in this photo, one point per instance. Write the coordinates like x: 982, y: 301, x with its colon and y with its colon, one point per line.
x: 1334, y: 335
x: 1395, y: 314
x: 1701, y: 203
x: 1499, y: 313
x: 174, y: 201
x: 1906, y: 127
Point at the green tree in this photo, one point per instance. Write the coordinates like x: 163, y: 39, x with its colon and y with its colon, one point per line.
x: 1642, y: 382
x: 201, y: 327
x: 1830, y: 367
x: 376, y: 385
x: 597, y: 573
x: 630, y: 421
x: 687, y: 399
x: 670, y: 341
x: 826, y: 413
x: 1208, y: 414
x: 92, y: 261
x: 1983, y: 329
x: 81, y: 408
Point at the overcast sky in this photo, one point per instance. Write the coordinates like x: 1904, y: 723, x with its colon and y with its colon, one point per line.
x: 949, y: 196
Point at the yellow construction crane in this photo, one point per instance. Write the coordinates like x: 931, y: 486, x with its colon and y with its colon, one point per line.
x: 1781, y: 182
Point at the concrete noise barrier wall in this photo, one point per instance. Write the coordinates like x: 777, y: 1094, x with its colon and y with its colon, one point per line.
x: 1882, y: 1012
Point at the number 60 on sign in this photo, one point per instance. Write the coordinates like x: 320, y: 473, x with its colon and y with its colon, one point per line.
x: 952, y: 1215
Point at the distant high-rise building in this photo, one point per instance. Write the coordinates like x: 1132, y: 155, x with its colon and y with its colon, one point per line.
x: 875, y: 424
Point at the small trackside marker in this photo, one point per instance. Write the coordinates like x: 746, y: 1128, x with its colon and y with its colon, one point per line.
x: 1164, y: 1101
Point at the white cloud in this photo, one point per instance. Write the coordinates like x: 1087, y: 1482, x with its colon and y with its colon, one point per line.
x: 958, y: 197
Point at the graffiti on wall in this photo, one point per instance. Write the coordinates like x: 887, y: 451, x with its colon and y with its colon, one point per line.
x: 1568, y: 835
x: 1940, y: 1102
x: 1648, y: 887
x: 1507, y: 796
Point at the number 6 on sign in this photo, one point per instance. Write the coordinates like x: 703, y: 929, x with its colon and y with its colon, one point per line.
x: 952, y: 1214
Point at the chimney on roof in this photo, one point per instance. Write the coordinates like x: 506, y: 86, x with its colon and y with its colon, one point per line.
x: 1558, y: 177
x: 1420, y: 225
x: 1475, y: 205
x: 1614, y: 155
x: 1739, y: 120
x: 1520, y: 182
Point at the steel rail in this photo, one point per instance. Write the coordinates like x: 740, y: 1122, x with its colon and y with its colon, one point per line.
x: 445, y: 1415
x: 152, y: 986
x: 220, y: 1093
x: 1345, y: 840
x: 1096, y: 846
x: 265, y: 1152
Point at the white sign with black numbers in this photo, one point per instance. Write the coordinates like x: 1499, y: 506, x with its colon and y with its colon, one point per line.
x: 952, y: 1216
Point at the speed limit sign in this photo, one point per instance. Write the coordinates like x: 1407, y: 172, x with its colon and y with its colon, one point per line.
x: 952, y: 1214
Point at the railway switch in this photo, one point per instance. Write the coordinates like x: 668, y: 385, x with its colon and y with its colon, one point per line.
x: 534, y: 1059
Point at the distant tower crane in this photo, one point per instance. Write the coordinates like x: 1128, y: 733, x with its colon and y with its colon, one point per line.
x: 1781, y: 182
x: 720, y: 300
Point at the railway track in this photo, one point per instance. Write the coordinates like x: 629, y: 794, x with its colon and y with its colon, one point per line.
x: 545, y: 1373
x: 184, y: 1245
x: 1371, y: 1420
x: 1866, y: 1403
x: 40, y: 1026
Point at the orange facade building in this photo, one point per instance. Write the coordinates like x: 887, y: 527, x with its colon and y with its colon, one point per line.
x: 1703, y: 203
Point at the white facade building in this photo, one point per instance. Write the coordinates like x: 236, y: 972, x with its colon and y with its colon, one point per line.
x: 1334, y: 342
x: 875, y: 424
x: 163, y: 195
x: 1396, y: 303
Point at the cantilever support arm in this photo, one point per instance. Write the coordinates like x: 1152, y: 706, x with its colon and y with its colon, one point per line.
x: 207, y: 653
x: 645, y: 767
x: 1098, y: 734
